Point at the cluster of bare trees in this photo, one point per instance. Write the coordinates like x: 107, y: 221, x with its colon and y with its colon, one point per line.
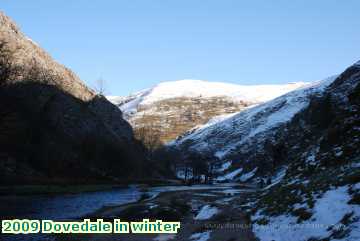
x: 197, y: 167
x: 149, y: 136
x: 149, y: 133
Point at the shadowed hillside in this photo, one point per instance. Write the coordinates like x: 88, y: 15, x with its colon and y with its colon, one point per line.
x: 52, y: 127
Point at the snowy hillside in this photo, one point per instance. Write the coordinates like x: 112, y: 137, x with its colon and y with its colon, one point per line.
x: 301, y: 150
x: 203, y: 89
x: 169, y: 109
x: 237, y: 131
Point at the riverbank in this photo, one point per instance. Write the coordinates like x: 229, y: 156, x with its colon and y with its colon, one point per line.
x: 205, y: 214
x: 207, y: 211
x: 49, y: 189
x: 54, y: 189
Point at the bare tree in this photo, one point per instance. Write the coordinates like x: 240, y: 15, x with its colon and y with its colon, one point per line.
x: 100, y: 86
x: 149, y: 134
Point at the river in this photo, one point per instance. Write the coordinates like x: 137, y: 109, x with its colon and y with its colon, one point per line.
x: 73, y: 206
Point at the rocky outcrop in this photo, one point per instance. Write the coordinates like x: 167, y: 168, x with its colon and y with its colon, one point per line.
x: 53, y: 127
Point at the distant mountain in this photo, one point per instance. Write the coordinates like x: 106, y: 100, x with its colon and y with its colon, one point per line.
x: 53, y: 128
x: 172, y: 108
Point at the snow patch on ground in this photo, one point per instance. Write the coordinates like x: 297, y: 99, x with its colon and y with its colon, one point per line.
x: 338, y: 151
x: 332, y: 207
x: 164, y: 237
x: 246, y: 176
x: 277, y: 178
x: 230, y: 175
x: 204, y: 236
x: 216, y: 119
x: 327, y: 214
x: 310, y: 157
x: 206, y: 212
x: 224, y: 166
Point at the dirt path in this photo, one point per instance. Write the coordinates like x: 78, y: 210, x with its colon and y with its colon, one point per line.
x: 227, y: 222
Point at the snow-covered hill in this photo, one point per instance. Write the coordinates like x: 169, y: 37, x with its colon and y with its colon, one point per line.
x: 171, y: 108
x: 202, y: 89
x: 302, y: 151
x: 236, y: 132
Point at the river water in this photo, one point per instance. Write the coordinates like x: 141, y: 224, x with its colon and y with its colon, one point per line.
x: 65, y: 206
x: 72, y: 206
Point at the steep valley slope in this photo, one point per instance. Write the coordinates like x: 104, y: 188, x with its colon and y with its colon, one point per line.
x: 53, y: 127
x: 302, y: 150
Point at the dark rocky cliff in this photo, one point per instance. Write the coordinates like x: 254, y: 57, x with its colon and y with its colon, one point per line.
x: 52, y: 127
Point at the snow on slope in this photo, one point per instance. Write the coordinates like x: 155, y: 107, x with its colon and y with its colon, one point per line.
x: 205, y: 89
x: 328, y: 212
x: 232, y: 132
x: 204, y: 236
x: 129, y: 104
x: 206, y: 212
x: 229, y: 176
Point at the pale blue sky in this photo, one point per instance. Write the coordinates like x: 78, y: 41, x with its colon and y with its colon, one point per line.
x: 134, y: 44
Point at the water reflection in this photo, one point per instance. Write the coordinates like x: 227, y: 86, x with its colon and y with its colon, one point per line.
x: 65, y: 206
